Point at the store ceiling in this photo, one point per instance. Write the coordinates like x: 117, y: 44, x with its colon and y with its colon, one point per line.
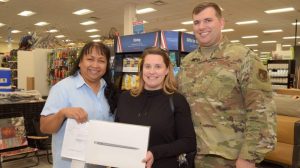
x: 109, y: 14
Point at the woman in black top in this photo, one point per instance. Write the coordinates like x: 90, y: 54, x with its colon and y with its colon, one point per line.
x: 171, y: 132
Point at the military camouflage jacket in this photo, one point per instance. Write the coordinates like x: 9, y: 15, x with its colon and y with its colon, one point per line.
x: 231, y: 101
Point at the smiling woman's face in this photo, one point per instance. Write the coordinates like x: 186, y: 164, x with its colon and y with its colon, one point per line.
x: 154, y: 72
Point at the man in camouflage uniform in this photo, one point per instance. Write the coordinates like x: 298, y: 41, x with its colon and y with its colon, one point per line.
x: 230, y: 95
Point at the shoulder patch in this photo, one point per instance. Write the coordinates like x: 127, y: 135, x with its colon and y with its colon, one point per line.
x: 262, y: 75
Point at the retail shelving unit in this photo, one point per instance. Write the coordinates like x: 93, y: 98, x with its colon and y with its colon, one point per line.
x: 188, y: 44
x: 10, y: 61
x: 60, y: 62
x: 129, y: 49
x: 282, y: 73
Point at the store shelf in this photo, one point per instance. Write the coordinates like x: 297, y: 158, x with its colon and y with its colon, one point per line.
x: 281, y: 73
x: 278, y: 83
x: 279, y: 76
x: 129, y: 51
x: 60, y: 62
x: 9, y: 61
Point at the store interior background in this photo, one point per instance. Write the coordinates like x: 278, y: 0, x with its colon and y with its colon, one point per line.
x: 169, y: 16
x: 115, y: 17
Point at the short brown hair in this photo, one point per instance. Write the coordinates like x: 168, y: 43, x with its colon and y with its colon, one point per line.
x: 169, y: 85
x: 200, y: 7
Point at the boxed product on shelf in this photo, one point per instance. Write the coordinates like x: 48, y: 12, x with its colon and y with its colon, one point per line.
x: 131, y: 64
x: 5, y: 88
x: 130, y: 81
x: 172, y: 56
x: 129, y: 49
x: 5, y: 77
x: 281, y: 73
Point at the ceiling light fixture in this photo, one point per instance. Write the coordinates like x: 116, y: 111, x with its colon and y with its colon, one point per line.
x: 286, y: 45
x: 291, y: 37
x: 90, y: 22
x: 26, y: 13
x: 298, y: 23
x: 247, y: 37
x: 82, y: 12
x: 15, y: 31
x: 60, y: 36
x: 235, y: 41
x: 52, y: 31
x: 145, y: 10
x: 95, y: 36
x: 41, y: 24
x: 187, y: 22
x: 182, y: 30
x: 267, y: 42
x: 247, y: 22
x: 2, y: 24
x: 91, y: 30
x: 4, y: 0
x: 96, y: 40
x: 280, y: 10
x: 251, y: 45
x: 227, y: 30
x: 71, y: 44
x: 273, y: 31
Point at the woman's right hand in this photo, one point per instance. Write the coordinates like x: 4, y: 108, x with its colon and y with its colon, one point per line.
x: 76, y: 113
x: 52, y: 123
x: 149, y: 159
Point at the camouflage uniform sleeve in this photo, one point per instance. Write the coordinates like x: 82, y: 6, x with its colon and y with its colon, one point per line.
x: 260, y: 126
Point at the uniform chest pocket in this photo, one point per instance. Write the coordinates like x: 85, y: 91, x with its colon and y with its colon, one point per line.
x: 217, y: 82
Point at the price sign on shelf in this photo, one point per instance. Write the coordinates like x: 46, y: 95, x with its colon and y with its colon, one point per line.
x: 138, y: 27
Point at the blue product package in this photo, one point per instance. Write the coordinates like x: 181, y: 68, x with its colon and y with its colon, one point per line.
x: 5, y: 77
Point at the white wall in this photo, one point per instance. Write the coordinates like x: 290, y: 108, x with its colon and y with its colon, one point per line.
x: 33, y: 64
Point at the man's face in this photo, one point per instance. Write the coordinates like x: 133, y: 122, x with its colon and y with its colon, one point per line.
x: 207, y: 27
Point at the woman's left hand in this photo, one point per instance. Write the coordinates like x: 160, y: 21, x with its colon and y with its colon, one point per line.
x: 149, y: 159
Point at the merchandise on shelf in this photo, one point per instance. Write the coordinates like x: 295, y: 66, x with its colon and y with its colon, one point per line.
x: 129, y: 49
x: 131, y: 64
x: 173, y: 59
x: 281, y: 73
x: 60, y: 62
x: 5, y: 80
x: 10, y: 61
x: 130, y: 81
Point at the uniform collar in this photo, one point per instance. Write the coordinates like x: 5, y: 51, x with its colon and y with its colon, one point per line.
x: 217, y: 49
x: 79, y: 81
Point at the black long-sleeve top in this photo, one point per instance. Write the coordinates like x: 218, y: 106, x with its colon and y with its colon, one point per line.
x: 171, y: 133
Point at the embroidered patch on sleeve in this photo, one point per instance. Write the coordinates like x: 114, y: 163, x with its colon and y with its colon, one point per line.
x: 262, y: 75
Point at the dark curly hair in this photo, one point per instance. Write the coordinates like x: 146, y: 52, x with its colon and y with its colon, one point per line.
x: 109, y: 92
